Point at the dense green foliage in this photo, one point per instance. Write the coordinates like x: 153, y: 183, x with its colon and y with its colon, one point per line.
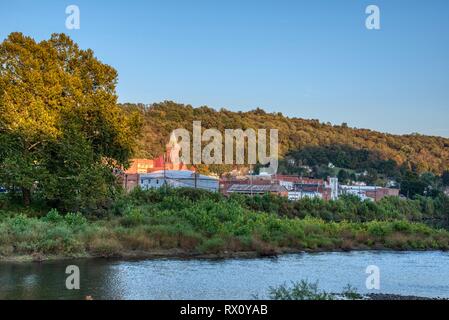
x: 351, y: 208
x: 445, y: 178
x: 61, y: 131
x: 196, y: 221
x: 342, y: 156
x: 415, y: 152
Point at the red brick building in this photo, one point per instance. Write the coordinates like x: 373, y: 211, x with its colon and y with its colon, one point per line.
x: 160, y: 163
x: 380, y: 193
x: 271, y: 184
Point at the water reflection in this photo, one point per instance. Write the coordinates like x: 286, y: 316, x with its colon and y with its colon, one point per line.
x: 412, y: 273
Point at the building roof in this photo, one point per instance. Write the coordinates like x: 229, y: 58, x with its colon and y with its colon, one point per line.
x: 361, y: 188
x: 176, y: 174
x: 297, y: 179
x: 248, y: 188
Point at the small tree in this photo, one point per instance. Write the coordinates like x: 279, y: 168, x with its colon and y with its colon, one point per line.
x: 343, y: 176
x: 445, y: 178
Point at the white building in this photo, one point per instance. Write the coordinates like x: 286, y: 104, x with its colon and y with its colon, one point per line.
x: 178, y: 179
x: 359, y: 191
x: 298, y: 195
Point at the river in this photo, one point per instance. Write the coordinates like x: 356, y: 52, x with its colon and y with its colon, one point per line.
x: 406, y: 273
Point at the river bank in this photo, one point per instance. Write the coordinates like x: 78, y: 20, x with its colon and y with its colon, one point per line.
x: 394, y: 297
x: 186, y: 255
x: 54, y: 237
x: 140, y: 255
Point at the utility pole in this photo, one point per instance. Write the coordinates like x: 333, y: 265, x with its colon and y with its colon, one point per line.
x: 251, y: 180
x: 165, y: 177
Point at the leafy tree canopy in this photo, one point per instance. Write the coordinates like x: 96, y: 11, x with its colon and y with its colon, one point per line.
x: 59, y: 119
x: 309, y: 140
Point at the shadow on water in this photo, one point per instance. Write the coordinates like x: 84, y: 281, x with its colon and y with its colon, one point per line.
x: 47, y: 280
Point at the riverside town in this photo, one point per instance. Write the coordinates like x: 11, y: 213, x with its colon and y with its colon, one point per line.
x: 224, y: 158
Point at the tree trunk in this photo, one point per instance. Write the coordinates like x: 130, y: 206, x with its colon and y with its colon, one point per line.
x: 26, y: 196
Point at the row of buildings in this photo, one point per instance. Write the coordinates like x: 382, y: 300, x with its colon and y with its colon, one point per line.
x: 161, y: 171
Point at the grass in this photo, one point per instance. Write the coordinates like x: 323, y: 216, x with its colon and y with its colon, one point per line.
x: 198, y: 222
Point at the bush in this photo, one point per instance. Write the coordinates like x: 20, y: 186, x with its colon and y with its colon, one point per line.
x: 213, y: 245
x: 106, y: 247
x: 75, y: 219
x: 378, y: 229
x: 19, y: 224
x: 210, y: 223
x: 132, y: 217
x: 301, y: 290
x: 304, y: 290
x: 53, y: 216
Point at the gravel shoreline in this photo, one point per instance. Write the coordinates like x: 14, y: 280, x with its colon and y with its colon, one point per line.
x: 393, y: 297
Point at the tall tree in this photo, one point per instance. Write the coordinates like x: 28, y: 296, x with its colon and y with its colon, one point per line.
x: 55, y: 97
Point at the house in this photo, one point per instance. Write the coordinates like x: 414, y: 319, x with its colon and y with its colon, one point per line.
x: 371, y: 193
x: 177, y: 179
x: 300, y: 187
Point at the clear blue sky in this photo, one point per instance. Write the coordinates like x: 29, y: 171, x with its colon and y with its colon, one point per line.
x: 310, y: 59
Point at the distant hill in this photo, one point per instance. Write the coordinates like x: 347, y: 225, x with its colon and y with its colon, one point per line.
x: 417, y: 152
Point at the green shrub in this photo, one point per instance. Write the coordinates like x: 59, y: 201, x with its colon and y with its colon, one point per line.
x: 378, y: 229
x: 132, y: 217
x: 301, y: 290
x: 210, y: 223
x: 106, y: 247
x: 213, y: 245
x: 53, y: 216
x: 75, y: 219
x: 402, y: 226
x: 305, y: 290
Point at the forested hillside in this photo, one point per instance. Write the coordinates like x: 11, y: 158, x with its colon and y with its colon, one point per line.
x: 415, y: 152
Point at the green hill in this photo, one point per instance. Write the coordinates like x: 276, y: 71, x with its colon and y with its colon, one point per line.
x: 416, y: 152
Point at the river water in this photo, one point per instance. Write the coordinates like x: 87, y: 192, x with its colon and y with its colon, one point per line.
x: 407, y: 273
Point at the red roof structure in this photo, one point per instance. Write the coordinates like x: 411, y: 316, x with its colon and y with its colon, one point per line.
x: 160, y: 163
